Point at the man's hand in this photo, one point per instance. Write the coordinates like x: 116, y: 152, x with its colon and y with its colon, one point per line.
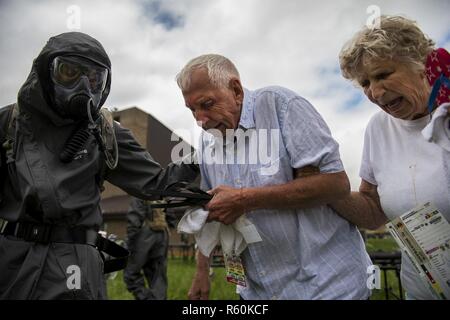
x: 226, y: 205
x: 200, y: 286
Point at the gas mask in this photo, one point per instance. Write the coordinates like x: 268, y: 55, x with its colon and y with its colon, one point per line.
x: 78, y: 86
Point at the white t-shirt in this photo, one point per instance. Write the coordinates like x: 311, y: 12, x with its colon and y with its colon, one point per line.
x: 408, y: 171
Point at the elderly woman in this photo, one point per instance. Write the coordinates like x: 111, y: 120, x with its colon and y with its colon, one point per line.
x: 396, y: 65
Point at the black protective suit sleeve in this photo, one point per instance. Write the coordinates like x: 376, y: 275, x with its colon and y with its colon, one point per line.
x: 138, y: 174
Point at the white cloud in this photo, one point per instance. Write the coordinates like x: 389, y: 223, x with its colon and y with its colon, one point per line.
x: 291, y: 43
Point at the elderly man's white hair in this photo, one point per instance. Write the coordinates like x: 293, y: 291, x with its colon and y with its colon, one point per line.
x: 220, y: 71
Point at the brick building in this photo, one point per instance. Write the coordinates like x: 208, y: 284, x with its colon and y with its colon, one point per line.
x: 156, y: 138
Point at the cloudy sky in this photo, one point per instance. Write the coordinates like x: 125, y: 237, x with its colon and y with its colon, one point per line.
x: 292, y: 43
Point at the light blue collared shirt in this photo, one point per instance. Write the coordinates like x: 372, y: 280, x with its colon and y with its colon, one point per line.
x: 305, y: 253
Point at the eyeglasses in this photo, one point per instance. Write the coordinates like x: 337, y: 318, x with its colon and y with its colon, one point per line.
x: 68, y: 70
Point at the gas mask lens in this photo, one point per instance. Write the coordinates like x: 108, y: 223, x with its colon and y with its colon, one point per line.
x: 67, y: 72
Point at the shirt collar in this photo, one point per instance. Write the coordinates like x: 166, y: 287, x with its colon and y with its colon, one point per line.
x: 247, y: 119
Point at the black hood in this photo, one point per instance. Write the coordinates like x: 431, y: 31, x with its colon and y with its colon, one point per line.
x: 35, y: 94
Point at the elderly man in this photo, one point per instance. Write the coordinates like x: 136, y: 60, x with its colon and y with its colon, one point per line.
x: 307, y: 250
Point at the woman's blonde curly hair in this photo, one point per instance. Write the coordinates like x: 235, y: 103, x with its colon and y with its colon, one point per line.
x: 398, y: 39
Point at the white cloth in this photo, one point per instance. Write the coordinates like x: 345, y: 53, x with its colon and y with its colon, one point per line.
x: 438, y: 130
x: 233, y: 238
x: 407, y: 170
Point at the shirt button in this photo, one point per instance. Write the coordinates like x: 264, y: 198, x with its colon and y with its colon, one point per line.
x: 274, y: 298
x: 262, y: 273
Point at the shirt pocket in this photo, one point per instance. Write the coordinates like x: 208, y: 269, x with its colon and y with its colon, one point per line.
x: 220, y: 175
x: 268, y: 173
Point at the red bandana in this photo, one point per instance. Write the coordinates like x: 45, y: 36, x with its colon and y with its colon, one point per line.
x: 438, y: 62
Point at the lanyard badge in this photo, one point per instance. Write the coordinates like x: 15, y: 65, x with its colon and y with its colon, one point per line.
x: 234, y: 270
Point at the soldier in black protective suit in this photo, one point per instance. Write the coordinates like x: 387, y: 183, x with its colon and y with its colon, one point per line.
x: 50, y: 190
x: 148, y: 242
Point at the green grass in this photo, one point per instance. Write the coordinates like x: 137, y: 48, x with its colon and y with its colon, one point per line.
x: 181, y: 271
x: 392, y: 284
x: 117, y: 290
x: 387, y: 244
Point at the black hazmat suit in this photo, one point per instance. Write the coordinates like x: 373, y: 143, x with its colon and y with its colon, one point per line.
x: 38, y: 188
x: 148, y: 242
